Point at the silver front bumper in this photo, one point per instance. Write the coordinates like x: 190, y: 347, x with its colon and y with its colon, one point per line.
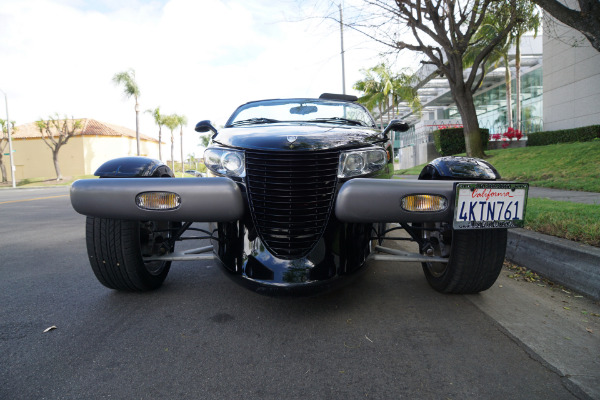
x: 379, y: 200
x: 202, y: 199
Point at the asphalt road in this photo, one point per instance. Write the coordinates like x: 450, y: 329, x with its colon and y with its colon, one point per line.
x: 201, y: 336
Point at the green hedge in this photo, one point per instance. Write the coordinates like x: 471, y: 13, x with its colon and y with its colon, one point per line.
x: 583, y: 134
x: 450, y: 141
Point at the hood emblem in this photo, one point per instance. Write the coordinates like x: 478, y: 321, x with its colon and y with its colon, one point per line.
x: 292, y: 139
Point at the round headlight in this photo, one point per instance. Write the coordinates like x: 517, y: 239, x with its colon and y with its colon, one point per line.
x: 231, y: 162
x: 355, y: 162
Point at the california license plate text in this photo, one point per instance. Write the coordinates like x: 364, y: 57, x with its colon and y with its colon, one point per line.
x: 488, y: 205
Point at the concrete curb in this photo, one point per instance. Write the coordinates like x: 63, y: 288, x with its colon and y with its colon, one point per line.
x: 571, y: 264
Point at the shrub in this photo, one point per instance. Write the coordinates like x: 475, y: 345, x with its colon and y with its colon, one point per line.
x: 583, y: 134
x: 450, y: 141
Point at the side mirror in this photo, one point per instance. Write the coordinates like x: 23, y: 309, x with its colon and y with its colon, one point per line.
x: 205, y: 126
x: 396, y: 125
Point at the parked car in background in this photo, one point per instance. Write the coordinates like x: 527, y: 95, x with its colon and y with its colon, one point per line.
x: 195, y: 173
x: 299, y: 199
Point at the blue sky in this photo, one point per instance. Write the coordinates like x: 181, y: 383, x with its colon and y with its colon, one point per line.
x: 196, y: 58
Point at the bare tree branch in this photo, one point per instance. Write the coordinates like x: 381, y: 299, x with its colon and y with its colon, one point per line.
x: 444, y: 31
x: 586, y: 20
x: 63, y: 129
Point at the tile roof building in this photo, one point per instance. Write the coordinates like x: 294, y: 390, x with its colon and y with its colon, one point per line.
x: 96, y: 143
x: 90, y: 127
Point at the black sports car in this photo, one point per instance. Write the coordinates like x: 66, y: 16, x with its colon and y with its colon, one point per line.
x: 299, y: 199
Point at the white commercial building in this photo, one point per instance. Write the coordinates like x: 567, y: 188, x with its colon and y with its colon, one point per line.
x: 560, y: 89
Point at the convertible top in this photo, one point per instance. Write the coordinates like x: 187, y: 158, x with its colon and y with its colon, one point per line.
x: 334, y: 96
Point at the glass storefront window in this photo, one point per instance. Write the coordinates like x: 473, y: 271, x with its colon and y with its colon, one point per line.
x: 491, y: 105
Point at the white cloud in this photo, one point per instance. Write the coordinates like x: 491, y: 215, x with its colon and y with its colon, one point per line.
x: 196, y: 58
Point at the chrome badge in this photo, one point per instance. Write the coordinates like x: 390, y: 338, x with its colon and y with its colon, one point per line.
x: 291, y: 140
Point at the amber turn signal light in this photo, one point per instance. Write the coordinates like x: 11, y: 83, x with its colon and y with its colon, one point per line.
x: 158, y: 201
x: 424, y: 203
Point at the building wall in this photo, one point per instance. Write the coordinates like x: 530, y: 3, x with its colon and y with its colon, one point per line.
x: 82, y: 155
x: 571, y: 78
x: 33, y: 159
x: 99, y: 149
x: 411, y: 156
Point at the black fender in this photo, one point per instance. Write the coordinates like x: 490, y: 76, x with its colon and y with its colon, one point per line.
x: 459, y: 168
x: 134, y: 167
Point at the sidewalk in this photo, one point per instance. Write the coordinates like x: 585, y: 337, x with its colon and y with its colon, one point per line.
x: 568, y: 263
x: 565, y: 195
x: 553, y: 194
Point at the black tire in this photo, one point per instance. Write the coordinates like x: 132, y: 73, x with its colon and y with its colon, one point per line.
x: 475, y: 260
x: 115, y: 252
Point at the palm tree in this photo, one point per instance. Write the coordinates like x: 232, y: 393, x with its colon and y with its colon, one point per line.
x: 372, y: 90
x: 404, y: 88
x: 158, y: 120
x: 171, y: 122
x: 127, y: 79
x: 181, y: 121
x: 204, y: 140
x: 528, y: 19
x: 192, y: 160
x: 386, y: 84
x: 380, y: 85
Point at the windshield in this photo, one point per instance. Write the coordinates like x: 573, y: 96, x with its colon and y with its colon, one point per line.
x: 301, y: 110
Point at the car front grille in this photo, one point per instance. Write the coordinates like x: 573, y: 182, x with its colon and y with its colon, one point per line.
x: 291, y: 195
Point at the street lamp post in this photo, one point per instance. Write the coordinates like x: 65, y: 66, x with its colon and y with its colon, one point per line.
x: 342, y: 44
x: 10, y: 150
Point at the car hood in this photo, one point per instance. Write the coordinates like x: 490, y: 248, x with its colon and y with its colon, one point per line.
x: 297, y: 136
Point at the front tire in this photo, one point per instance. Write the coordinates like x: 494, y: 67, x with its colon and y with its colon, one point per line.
x: 475, y: 259
x: 116, y: 247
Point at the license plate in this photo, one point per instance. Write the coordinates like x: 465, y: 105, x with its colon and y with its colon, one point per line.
x: 490, y: 205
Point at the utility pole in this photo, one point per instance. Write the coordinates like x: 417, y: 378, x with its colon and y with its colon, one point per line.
x: 10, y: 150
x: 342, y: 43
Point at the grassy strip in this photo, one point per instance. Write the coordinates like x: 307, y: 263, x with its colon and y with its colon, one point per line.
x: 573, y: 221
x: 47, y: 182
x: 567, y: 166
x: 411, y: 171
